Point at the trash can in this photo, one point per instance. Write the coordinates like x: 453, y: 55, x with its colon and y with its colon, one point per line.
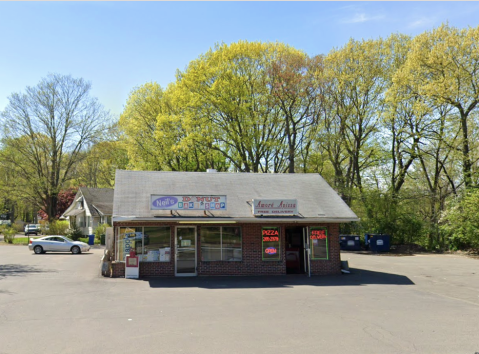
x: 91, y: 240
x: 379, y: 243
x: 349, y: 243
x: 102, y: 240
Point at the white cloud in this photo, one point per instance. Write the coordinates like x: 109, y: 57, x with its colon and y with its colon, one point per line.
x: 362, y: 17
x: 422, y: 22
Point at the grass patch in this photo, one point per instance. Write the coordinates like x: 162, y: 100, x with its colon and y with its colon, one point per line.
x: 85, y: 239
x: 21, y: 240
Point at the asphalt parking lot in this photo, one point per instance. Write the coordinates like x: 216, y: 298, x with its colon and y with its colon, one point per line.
x: 58, y: 303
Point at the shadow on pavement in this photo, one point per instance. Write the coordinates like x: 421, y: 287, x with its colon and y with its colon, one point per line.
x: 18, y: 270
x: 356, y: 278
x: 49, y: 253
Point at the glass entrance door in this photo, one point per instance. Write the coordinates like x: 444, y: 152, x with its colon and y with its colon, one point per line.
x: 185, y: 251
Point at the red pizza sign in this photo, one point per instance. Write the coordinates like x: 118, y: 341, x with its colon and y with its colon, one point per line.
x: 270, y: 235
x: 271, y: 243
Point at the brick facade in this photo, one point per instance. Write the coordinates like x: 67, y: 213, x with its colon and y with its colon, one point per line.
x: 251, y: 264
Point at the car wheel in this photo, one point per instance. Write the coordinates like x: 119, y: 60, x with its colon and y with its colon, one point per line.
x: 38, y: 249
x: 76, y: 250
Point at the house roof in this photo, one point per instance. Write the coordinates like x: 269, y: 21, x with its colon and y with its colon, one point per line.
x: 317, y: 201
x: 99, y: 200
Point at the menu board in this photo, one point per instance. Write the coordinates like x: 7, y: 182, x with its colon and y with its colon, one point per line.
x: 319, y: 243
x: 271, y: 244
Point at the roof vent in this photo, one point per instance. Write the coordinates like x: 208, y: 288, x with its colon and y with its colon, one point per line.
x: 211, y: 170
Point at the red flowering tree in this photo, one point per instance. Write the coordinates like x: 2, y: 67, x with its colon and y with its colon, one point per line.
x: 65, y: 198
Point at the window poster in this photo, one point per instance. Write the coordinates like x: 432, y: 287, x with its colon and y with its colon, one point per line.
x: 319, y: 243
x: 271, y: 244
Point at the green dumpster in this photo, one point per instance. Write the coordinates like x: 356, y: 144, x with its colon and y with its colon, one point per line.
x: 102, y: 240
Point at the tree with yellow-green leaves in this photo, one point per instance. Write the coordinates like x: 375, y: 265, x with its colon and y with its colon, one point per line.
x: 355, y: 78
x: 254, y: 103
x: 226, y: 93
x: 138, y: 122
x: 296, y: 80
x: 443, y: 66
x: 157, y: 135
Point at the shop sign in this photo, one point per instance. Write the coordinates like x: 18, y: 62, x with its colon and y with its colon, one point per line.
x: 271, y: 243
x: 188, y: 202
x: 319, y: 243
x: 271, y: 250
x: 318, y: 234
x: 275, y: 207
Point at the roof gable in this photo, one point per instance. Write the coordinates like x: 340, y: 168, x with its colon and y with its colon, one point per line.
x: 98, y: 201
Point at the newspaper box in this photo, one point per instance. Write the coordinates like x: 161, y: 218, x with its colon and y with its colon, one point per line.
x: 132, y: 269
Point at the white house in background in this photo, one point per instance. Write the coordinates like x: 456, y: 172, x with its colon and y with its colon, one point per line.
x: 90, y: 207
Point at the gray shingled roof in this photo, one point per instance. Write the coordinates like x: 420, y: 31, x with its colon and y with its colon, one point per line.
x: 98, y: 199
x: 317, y: 201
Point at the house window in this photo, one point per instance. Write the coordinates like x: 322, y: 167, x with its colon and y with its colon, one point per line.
x: 221, y: 244
x: 271, y: 244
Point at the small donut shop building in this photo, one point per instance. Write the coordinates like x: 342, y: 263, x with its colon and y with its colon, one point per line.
x: 221, y: 223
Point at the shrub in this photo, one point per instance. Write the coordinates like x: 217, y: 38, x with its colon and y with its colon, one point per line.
x: 56, y: 227
x: 9, y: 234
x: 74, y: 232
x: 100, y: 230
x: 19, y: 226
x: 460, y: 222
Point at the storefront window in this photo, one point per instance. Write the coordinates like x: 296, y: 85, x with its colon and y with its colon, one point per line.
x: 271, y: 244
x: 157, y: 244
x: 319, y: 243
x: 151, y: 244
x: 129, y: 238
x: 221, y: 244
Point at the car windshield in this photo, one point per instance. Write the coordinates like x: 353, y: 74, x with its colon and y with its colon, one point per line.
x: 68, y: 239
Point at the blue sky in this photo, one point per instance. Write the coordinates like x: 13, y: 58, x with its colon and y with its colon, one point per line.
x: 120, y: 45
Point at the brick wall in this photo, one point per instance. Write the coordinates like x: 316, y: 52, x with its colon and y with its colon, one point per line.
x: 251, y: 264
x: 118, y: 269
x: 333, y: 265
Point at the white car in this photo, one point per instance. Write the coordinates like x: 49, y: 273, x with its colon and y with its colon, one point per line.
x: 57, y: 244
